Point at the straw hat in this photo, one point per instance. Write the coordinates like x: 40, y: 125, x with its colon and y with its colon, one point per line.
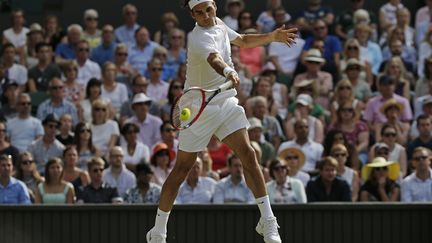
x: 393, y: 168
x: 301, y: 156
x: 314, y: 55
x: 391, y: 103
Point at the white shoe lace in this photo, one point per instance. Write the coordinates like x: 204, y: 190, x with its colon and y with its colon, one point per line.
x: 271, y: 229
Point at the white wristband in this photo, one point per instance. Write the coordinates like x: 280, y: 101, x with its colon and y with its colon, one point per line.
x: 227, y: 70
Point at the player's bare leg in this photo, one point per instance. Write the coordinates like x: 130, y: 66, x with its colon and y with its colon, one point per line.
x: 170, y: 188
x: 239, y: 143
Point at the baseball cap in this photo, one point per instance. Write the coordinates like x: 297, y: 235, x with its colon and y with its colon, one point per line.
x: 304, y: 99
x: 254, y: 123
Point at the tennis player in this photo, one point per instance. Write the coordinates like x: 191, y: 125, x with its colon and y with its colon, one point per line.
x: 208, y: 66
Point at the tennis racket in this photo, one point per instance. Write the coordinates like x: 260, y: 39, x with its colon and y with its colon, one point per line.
x: 192, y: 102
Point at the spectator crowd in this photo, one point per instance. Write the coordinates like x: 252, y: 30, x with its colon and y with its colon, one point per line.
x: 344, y: 114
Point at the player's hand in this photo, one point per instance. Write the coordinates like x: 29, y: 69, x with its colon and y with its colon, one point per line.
x: 234, y: 77
x: 284, y: 35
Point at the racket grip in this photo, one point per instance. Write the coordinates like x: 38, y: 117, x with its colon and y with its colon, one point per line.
x: 226, y: 85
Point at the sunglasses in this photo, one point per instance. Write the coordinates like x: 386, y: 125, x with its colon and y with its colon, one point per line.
x: 85, y: 130
x: 99, y: 109
x: 131, y: 13
x: 353, y: 68
x: 83, y: 49
x: 177, y: 87
x: 279, y: 168
x: 384, y: 152
x: 351, y: 48
x: 2, y: 130
x: 25, y: 103
x: 91, y: 19
x: 156, y: 69
x: 27, y: 162
x: 122, y: 54
x: 169, y: 130
x: 176, y: 37
x: 246, y: 17
x: 381, y: 169
x: 420, y: 158
x: 292, y: 158
x: 347, y: 110
x: 338, y: 155
x: 162, y: 153
x: 132, y: 132
x: 97, y: 170
x: 312, y: 62
x: 389, y: 134
x: 345, y: 88
x: 320, y: 28
x: 56, y: 87
x: 51, y: 126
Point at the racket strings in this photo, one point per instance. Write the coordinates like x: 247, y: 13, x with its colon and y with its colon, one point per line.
x: 191, y: 100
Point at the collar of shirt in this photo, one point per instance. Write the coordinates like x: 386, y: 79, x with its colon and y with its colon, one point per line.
x: 231, y: 184
x: 12, y: 181
x: 420, y: 180
x: 122, y: 171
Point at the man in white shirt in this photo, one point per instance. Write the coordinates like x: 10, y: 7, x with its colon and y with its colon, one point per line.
x: 14, y: 72
x: 417, y: 187
x: 233, y: 188
x: 117, y: 175
x: 87, y: 69
x: 17, y: 34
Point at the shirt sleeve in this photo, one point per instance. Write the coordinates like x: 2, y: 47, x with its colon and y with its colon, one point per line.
x: 299, y: 191
x: 405, y: 193
x: 24, y: 196
x: 218, y: 194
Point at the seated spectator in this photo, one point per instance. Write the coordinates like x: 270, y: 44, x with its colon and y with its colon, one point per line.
x: 125, y: 33
x: 340, y: 153
x: 87, y: 69
x: 56, y: 103
x: 312, y: 13
x: 169, y: 21
x: 424, y: 138
x: 423, y: 83
x: 169, y: 137
x: 8, y: 100
x: 403, y: 17
x: 125, y: 71
x: 207, y: 161
x: 379, y: 177
x: 392, y: 110
x: 263, y: 88
x: 255, y: 132
x: 105, y: 131
x: 233, y: 9
x: 66, y: 51
x: 97, y: 191
x: 344, y: 20
x: 233, y: 188
x: 34, y: 37
x: 396, y: 48
x: 24, y: 128
x: 360, y: 88
x: 117, y: 175
x: 309, y: 87
x: 266, y: 22
x: 336, y: 136
x: 53, y: 32
x: 387, y: 14
x: 396, y: 69
x: 12, y: 191
x: 196, y: 189
x: 135, y: 151
x: 145, y: 191
x: 424, y: 53
x: 5, y: 146
x: 176, y: 50
x: 74, y: 91
x: 91, y: 32
x: 284, y: 189
x: 115, y: 92
x: 422, y: 20
x: 362, y: 16
x: 26, y: 172
x: 149, y: 124
x: 246, y: 21
x: 104, y: 52
x: 369, y: 50
x: 311, y: 149
x: 327, y: 186
x: 141, y: 52
x: 158, y: 88
x: 93, y: 92
x: 47, y: 146
x: 294, y: 159
x: 65, y: 135
x: 167, y: 73
x: 45, y: 70
x: 15, y: 72
x: 17, y: 33
x: 84, y: 145
x: 219, y: 152
x: 396, y: 152
x: 175, y: 89
x: 139, y: 85
x: 417, y: 186
x: 278, y: 89
x: 54, y: 190
x: 160, y: 163
x: 71, y: 173
x: 345, y: 94
x: 353, y: 58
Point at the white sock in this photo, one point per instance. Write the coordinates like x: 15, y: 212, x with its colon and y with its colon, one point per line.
x: 264, y: 207
x: 161, y: 222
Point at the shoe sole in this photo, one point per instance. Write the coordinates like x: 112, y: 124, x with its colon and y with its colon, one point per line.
x: 148, y: 237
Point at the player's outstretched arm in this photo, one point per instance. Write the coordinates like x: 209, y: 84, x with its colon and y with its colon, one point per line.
x: 287, y: 36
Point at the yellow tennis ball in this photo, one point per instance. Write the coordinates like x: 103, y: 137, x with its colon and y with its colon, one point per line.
x: 185, y: 114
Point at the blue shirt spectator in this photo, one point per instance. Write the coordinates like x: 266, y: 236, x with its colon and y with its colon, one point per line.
x: 65, y: 51
x: 140, y: 56
x: 227, y: 191
x: 332, y: 45
x: 125, y: 34
x: 12, y: 191
x: 105, y: 51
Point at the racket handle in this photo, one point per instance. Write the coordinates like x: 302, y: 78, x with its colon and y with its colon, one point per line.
x: 226, y: 85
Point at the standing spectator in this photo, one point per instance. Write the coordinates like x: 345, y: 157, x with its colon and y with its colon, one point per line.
x: 47, y: 146
x: 5, y: 146
x: 117, y: 175
x: 45, y: 70
x: 91, y: 32
x: 233, y: 9
x: 111, y: 89
x: 233, y: 188
x: 196, y: 189
x: 65, y: 135
x: 54, y: 190
x: 265, y: 21
x: 169, y: 21
x: 87, y: 69
x: 145, y: 191
x: 125, y: 33
x: 311, y: 149
x: 417, y: 186
x: 14, y: 72
x: 379, y: 177
x: 66, y: 51
x: 284, y: 189
x: 71, y: 173
x: 24, y: 128
x: 105, y: 131
x: 327, y: 186
x: 141, y: 52
x: 424, y: 139
x: 340, y: 153
x: 74, y: 91
x: 255, y: 132
x: 17, y: 34
x: 294, y: 159
x: 97, y: 191
x: 12, y: 191
x: 57, y: 104
x: 160, y: 163
x: 158, y: 88
x: 105, y: 50
x: 53, y: 33
x: 26, y: 172
x: 135, y: 151
x: 84, y: 145
x: 149, y: 125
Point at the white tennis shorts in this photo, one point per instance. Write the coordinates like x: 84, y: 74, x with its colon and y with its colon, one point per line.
x: 219, y: 119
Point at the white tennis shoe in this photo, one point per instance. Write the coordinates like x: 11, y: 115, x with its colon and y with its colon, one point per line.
x: 268, y: 228
x: 153, y: 237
